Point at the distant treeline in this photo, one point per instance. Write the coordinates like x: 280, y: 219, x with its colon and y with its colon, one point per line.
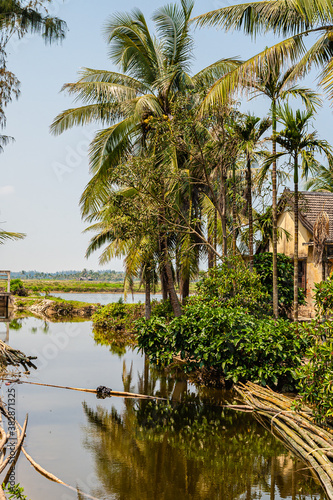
x: 85, y: 274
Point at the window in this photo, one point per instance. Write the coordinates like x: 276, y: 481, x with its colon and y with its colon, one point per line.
x: 302, y: 274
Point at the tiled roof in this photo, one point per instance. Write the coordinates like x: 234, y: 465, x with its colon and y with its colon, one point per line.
x: 310, y: 206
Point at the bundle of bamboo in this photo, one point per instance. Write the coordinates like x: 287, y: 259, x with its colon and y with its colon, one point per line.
x: 312, y: 443
x: 10, y: 356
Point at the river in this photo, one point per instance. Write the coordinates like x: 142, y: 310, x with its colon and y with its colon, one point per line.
x: 106, y: 298
x: 124, y: 449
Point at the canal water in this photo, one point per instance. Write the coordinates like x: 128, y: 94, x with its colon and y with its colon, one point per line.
x: 118, y: 449
x: 106, y: 298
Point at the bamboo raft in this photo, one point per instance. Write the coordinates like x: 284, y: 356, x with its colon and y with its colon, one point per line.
x: 310, y: 442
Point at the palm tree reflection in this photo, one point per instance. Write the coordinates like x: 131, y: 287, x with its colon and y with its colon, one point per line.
x: 187, y: 450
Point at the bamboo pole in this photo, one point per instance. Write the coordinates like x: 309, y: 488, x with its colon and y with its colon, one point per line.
x: 118, y: 394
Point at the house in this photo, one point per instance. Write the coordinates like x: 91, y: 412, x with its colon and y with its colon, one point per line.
x: 311, y: 205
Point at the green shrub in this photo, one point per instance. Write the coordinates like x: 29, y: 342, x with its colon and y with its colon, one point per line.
x: 238, y: 345
x: 15, y: 492
x: 316, y: 375
x: 162, y: 309
x: 263, y: 264
x: 324, y: 297
x: 17, y: 288
x: 118, y: 317
x: 232, y: 284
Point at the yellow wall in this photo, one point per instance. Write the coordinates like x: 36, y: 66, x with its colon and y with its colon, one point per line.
x: 313, y: 273
x: 286, y: 221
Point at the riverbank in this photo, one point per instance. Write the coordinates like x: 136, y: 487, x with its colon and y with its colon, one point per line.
x: 53, y: 307
x: 72, y: 286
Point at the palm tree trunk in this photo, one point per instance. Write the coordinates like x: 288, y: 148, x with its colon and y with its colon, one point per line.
x: 170, y: 281
x: 210, y: 253
x: 164, y: 284
x: 215, y: 234
x: 224, y: 215
x: 296, y: 239
x: 274, y: 217
x: 234, y: 209
x: 147, y: 298
x: 163, y: 278
x: 184, y: 288
x: 250, y: 214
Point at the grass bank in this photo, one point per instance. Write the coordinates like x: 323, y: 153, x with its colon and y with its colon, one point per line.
x: 53, y: 307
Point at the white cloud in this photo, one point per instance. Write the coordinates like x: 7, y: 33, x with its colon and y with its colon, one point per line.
x: 6, y: 190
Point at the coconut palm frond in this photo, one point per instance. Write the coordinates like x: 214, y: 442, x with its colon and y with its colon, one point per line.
x: 9, y: 236
x: 244, y: 77
x: 283, y: 17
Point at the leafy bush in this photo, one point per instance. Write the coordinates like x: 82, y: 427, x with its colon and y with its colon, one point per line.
x: 15, y: 492
x: 316, y: 375
x: 232, y: 284
x: 324, y: 297
x: 236, y: 344
x: 17, y: 288
x: 162, y: 309
x: 118, y: 317
x: 263, y: 264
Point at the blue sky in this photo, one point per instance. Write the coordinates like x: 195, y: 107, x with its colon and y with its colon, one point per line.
x: 42, y: 176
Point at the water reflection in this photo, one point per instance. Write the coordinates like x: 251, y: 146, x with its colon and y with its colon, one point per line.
x: 188, y: 450
x: 6, y: 316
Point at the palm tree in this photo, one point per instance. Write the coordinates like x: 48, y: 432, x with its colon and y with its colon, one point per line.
x: 154, y: 71
x: 322, y: 180
x: 288, y: 18
x: 300, y: 146
x: 263, y: 72
x: 250, y: 132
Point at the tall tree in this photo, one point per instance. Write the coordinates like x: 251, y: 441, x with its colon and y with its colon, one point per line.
x: 297, y: 18
x: 269, y: 81
x: 300, y: 146
x: 154, y: 71
x: 250, y: 131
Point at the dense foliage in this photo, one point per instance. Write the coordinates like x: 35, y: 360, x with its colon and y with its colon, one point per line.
x: 120, y: 318
x: 236, y: 344
x: 232, y: 284
x: 324, y: 297
x: 17, y: 288
x: 224, y: 328
x: 316, y: 375
x: 117, y: 317
x: 263, y: 264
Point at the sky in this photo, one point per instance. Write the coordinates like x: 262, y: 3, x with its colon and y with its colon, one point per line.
x: 42, y: 176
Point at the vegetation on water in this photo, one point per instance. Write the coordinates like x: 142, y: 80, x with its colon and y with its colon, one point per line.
x: 237, y: 345
x: 226, y: 327
x: 118, y: 317
x: 53, y: 307
x: 115, y: 324
x: 17, y: 288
